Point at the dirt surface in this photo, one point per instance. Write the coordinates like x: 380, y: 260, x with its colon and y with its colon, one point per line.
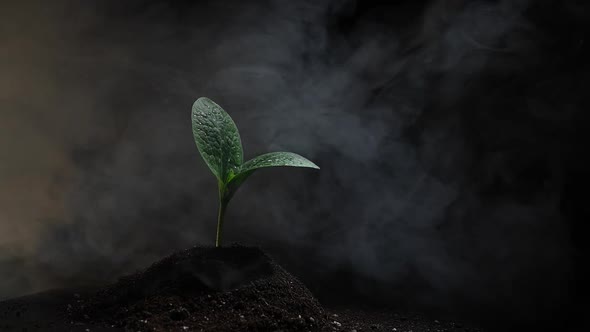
x: 373, y: 320
x: 205, y: 289
x: 201, y: 289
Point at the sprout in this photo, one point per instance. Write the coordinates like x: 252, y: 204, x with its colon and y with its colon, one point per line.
x: 218, y: 141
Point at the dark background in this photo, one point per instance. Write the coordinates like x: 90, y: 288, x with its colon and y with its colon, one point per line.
x: 451, y: 136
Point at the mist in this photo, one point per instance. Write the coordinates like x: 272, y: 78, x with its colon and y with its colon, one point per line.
x: 440, y: 129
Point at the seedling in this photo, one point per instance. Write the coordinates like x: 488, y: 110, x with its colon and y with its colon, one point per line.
x: 219, y: 143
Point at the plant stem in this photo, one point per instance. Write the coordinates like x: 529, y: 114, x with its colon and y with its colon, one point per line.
x: 221, y: 212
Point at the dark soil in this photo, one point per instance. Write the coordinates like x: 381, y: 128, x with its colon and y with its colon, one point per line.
x: 373, y: 320
x: 201, y: 289
x: 206, y: 289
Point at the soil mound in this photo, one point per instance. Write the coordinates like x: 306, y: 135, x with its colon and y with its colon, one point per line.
x: 205, y: 289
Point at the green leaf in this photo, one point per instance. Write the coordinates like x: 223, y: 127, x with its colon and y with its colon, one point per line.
x: 273, y: 159
x: 217, y: 138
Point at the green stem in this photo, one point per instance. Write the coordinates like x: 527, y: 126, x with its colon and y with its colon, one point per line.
x: 222, y: 205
